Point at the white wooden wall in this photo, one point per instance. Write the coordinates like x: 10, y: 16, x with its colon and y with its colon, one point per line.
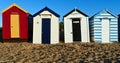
x: 37, y: 27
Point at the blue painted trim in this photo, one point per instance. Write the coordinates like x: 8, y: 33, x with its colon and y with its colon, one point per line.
x: 46, y: 8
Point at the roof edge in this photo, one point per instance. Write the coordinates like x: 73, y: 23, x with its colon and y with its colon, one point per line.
x: 48, y: 9
x: 102, y: 11
x: 12, y: 6
x: 75, y: 9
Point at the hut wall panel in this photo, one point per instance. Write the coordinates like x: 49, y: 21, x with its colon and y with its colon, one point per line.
x: 68, y: 30
x: 37, y: 30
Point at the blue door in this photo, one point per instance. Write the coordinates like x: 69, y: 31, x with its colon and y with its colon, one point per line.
x: 46, y: 30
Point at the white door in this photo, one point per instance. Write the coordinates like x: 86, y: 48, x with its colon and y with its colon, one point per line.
x: 105, y: 30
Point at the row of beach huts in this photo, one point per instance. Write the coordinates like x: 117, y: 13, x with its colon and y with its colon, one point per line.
x: 43, y: 26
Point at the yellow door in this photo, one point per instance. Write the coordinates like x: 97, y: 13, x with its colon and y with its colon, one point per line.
x: 14, y: 23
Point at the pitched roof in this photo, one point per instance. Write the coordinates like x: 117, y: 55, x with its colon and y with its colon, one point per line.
x: 105, y: 10
x: 46, y: 8
x: 77, y: 11
x: 12, y: 6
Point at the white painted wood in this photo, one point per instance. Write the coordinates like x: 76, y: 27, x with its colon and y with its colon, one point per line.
x: 85, y: 29
x: 37, y: 24
x: 105, y: 31
x: 54, y: 30
x: 68, y: 30
x: 37, y: 28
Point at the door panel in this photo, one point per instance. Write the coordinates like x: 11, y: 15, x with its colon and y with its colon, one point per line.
x: 46, y: 31
x: 14, y: 23
x: 105, y: 30
x: 76, y: 30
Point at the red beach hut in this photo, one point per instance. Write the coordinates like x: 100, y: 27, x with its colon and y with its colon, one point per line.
x: 15, y: 23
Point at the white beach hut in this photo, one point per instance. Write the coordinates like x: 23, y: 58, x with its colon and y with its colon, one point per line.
x: 46, y: 27
x: 76, y: 27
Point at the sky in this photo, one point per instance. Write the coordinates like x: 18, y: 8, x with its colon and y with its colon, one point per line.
x: 89, y: 7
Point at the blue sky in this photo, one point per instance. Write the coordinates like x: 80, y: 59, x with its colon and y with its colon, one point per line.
x: 90, y: 7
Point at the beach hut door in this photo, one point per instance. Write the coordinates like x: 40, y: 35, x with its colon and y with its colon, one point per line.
x: 76, y: 29
x: 14, y: 25
x: 46, y: 30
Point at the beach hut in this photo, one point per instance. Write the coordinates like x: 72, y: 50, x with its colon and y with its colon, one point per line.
x: 119, y: 28
x: 46, y: 27
x: 14, y: 23
x: 104, y: 27
x: 30, y: 28
x: 76, y: 27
